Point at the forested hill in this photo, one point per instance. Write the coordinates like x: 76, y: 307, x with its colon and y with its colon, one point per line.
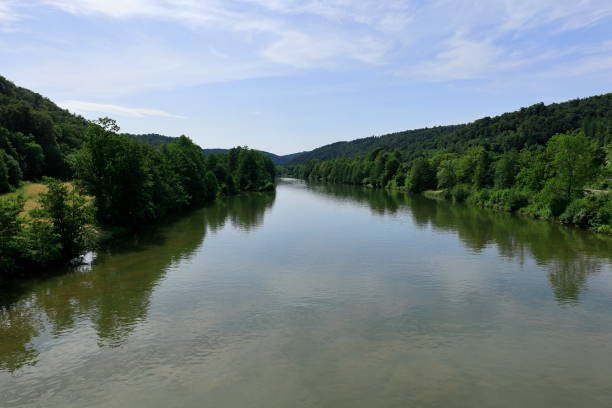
x: 527, y: 126
x: 158, y: 140
x: 276, y: 159
x: 36, y: 135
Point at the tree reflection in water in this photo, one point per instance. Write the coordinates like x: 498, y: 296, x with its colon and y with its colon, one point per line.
x: 569, y: 254
x: 114, y: 292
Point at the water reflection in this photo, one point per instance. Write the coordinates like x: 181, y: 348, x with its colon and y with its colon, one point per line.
x: 113, y: 295
x: 568, y: 254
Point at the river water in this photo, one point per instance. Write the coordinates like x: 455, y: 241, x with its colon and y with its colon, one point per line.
x: 320, y: 296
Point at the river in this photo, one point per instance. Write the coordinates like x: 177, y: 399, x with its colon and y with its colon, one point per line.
x: 320, y: 296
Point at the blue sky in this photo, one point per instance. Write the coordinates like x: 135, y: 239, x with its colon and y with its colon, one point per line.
x: 289, y: 75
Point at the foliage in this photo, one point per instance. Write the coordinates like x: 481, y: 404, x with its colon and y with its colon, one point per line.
x: 10, y: 228
x: 572, y: 162
x: 540, y: 180
x: 70, y: 217
x: 133, y: 182
x: 460, y: 193
x: 592, y: 211
x: 59, y: 230
x: 514, y: 131
x: 129, y: 183
x: 422, y: 176
x: 37, y: 135
x: 4, y: 174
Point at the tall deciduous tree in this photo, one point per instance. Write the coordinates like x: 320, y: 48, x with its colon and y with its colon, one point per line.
x: 572, y: 162
x: 421, y: 176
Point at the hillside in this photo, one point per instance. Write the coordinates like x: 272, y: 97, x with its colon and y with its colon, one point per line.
x: 527, y: 126
x: 276, y: 159
x: 157, y: 140
x: 36, y: 135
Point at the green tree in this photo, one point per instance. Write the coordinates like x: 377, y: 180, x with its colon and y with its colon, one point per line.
x: 505, y: 171
x: 34, y: 159
x: 14, y: 171
x: 391, y: 168
x: 116, y: 172
x: 482, y: 172
x: 446, y: 174
x: 10, y: 228
x: 572, y: 162
x: 421, y: 176
x: 4, y: 174
x: 71, y: 217
x: 533, y: 172
x: 210, y: 182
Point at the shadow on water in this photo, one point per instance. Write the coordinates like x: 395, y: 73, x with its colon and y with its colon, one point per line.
x: 113, y: 291
x: 569, y: 254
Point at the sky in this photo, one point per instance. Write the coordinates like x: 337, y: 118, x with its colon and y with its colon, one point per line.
x: 287, y: 75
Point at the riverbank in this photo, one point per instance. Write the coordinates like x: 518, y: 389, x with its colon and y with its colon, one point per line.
x: 586, y: 213
x: 591, y: 212
x: 45, y: 225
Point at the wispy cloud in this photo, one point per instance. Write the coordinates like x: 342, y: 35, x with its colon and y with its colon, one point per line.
x: 584, y: 66
x: 82, y: 107
x: 302, y: 50
x: 228, y: 40
x: 461, y: 59
x: 8, y: 15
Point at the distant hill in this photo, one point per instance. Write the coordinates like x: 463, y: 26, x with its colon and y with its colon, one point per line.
x: 394, y: 141
x: 157, y: 140
x: 278, y: 160
x: 153, y: 138
x: 527, y: 126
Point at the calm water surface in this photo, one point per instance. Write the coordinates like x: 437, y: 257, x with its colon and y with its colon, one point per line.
x: 320, y: 296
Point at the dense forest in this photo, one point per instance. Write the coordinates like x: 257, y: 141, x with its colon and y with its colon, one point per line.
x: 117, y: 182
x: 530, y: 126
x: 36, y: 136
x: 551, y: 162
x: 567, y: 179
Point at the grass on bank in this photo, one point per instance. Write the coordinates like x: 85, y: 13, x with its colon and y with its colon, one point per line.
x: 31, y: 192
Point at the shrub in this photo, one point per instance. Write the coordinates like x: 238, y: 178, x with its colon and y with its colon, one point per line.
x: 480, y: 197
x: 592, y: 211
x: 548, y: 203
x: 460, y: 192
x: 508, y: 199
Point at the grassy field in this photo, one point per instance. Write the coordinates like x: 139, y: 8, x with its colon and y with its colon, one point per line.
x: 31, y: 192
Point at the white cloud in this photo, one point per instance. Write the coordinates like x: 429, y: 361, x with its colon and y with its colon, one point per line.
x: 464, y: 59
x: 584, y: 66
x: 82, y: 107
x: 228, y: 40
x: 8, y: 14
x: 304, y: 51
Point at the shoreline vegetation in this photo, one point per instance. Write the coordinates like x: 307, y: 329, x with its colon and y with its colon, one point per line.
x: 567, y: 180
x: 548, y: 161
x: 118, y: 185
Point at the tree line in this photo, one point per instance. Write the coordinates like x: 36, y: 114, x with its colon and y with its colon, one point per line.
x: 567, y: 179
x: 530, y: 126
x: 120, y: 183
